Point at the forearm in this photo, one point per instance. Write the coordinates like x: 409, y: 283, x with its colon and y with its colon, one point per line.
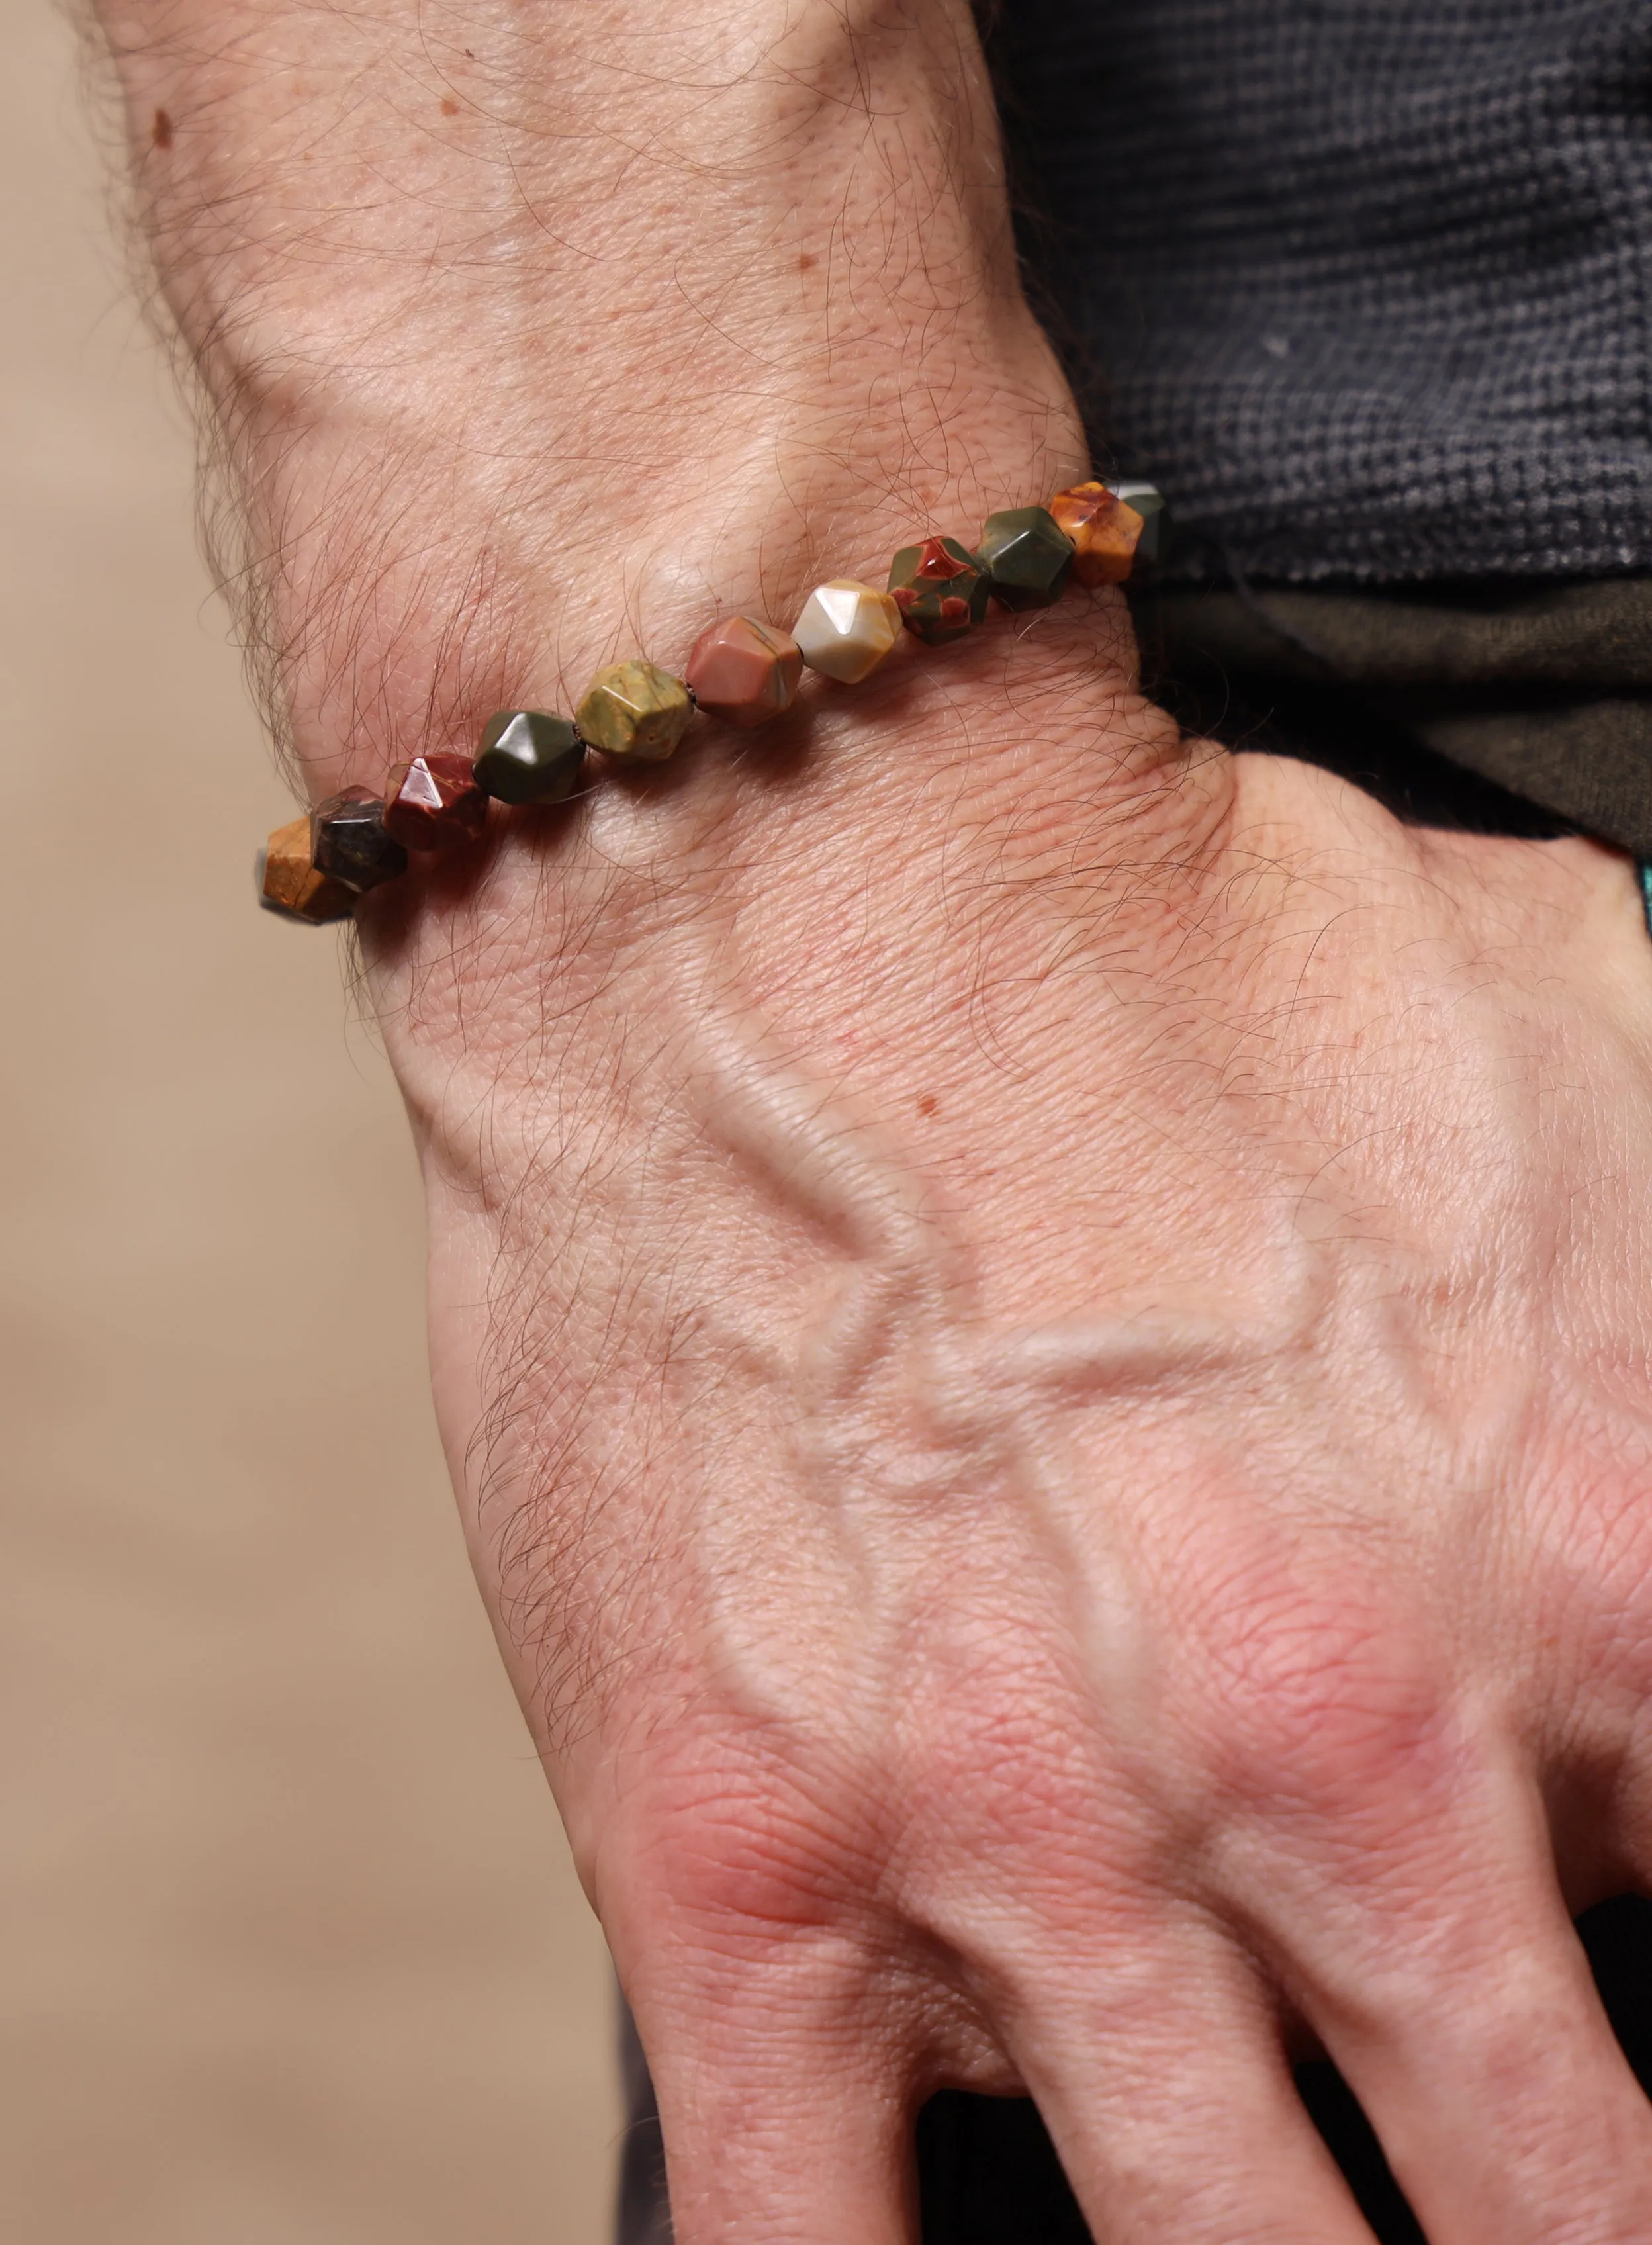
x: 536, y: 338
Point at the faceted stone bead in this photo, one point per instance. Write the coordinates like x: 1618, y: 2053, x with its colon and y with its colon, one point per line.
x: 1147, y: 501
x: 349, y: 841
x: 434, y: 803
x: 1027, y: 557
x: 635, y: 710
x: 940, y: 589
x: 744, y: 672
x: 528, y: 755
x: 289, y: 883
x: 1104, y: 530
x: 846, y: 629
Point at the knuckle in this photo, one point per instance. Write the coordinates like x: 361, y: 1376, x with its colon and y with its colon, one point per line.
x: 1316, y: 1695
x: 737, y: 1847
x: 744, y: 1905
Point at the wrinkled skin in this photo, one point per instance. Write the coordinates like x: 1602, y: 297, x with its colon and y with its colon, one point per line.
x: 1063, y: 1458
x: 1043, y: 1334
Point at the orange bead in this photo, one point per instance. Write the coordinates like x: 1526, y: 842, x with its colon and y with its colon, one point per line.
x: 744, y: 672
x: 1104, y: 530
x: 289, y: 883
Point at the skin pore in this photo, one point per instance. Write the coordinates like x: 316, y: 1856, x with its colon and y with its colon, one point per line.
x: 1042, y: 1333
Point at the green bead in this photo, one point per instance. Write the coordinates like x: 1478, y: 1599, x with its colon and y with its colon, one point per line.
x: 1027, y: 556
x: 1147, y: 501
x: 527, y: 755
x: 635, y: 710
x: 940, y: 589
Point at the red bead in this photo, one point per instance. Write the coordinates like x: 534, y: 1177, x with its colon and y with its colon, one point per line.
x: 434, y: 803
x: 935, y: 561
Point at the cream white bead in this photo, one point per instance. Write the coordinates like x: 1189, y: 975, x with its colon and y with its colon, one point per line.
x: 846, y: 629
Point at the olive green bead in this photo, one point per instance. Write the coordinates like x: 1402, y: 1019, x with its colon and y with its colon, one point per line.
x: 635, y: 710
x: 1027, y: 557
x: 528, y: 756
x: 1147, y: 501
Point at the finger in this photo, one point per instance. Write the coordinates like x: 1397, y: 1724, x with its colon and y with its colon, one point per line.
x: 1169, y: 2098
x: 785, y: 2122
x: 1466, y: 2019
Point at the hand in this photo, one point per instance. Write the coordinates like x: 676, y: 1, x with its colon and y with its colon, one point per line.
x: 1057, y: 1435
x: 1042, y: 1333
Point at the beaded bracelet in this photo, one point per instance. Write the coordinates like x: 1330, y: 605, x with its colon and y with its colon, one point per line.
x: 741, y: 671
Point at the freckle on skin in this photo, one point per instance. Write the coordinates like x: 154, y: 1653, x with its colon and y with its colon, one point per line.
x: 808, y: 261
x: 926, y: 1104
x: 160, y: 131
x: 449, y: 107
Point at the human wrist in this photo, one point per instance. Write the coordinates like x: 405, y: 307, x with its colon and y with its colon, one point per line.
x: 563, y: 335
x: 870, y: 824
x: 449, y: 621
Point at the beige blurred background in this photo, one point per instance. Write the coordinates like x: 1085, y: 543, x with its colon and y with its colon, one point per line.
x: 291, y: 1948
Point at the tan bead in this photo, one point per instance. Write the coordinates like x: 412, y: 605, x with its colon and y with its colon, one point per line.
x: 846, y: 629
x: 634, y: 709
x: 289, y: 883
x: 744, y: 672
x: 1104, y: 530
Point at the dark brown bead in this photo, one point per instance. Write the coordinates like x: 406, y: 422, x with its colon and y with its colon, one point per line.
x: 349, y: 841
x: 434, y: 803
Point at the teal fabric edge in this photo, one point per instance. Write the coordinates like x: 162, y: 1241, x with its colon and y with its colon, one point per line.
x: 1646, y: 891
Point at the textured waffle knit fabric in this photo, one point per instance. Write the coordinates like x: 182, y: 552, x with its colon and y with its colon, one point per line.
x: 1363, y: 284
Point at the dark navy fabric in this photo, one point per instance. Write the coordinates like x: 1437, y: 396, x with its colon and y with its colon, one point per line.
x: 1363, y: 284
